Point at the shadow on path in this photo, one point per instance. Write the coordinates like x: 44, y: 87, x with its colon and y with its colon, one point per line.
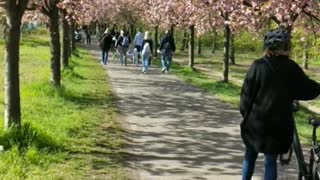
x: 175, y: 131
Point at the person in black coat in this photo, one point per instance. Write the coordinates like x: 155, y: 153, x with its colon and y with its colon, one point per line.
x: 105, y: 43
x: 271, y: 85
x: 167, y: 48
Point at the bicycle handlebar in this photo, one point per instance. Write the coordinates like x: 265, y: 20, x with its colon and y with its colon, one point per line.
x: 314, y: 122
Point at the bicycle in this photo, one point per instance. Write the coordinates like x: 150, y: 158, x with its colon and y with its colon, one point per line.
x: 307, y: 170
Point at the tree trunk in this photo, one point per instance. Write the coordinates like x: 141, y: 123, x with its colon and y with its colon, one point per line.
x: 232, y: 49
x: 65, y: 41
x: 226, y: 51
x: 12, y: 109
x: 132, y: 31
x: 155, y: 53
x: 70, y: 36
x: 214, y: 44
x: 55, y: 75
x: 191, y: 46
x: 187, y: 41
x: 172, y: 30
x: 73, y: 42
x: 305, y: 56
x: 184, y: 41
x: 199, y: 46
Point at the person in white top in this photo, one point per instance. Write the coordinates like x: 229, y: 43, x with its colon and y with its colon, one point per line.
x: 146, y: 54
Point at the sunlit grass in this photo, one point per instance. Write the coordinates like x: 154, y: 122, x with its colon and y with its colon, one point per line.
x: 67, y: 133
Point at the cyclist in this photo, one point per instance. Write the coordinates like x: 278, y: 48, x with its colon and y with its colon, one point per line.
x: 271, y: 85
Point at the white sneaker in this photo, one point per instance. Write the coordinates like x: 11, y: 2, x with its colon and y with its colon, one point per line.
x: 167, y: 71
x: 143, y: 71
x: 163, y: 69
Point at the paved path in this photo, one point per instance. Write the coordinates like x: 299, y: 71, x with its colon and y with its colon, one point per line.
x: 175, y: 131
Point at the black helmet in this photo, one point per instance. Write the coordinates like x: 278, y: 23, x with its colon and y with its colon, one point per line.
x: 278, y: 39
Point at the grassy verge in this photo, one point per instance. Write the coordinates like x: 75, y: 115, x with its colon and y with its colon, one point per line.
x: 67, y: 133
x: 210, y: 81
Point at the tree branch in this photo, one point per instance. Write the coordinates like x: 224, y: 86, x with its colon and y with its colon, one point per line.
x: 32, y: 7
x: 311, y: 15
x: 22, y: 7
x: 296, y: 15
x: 45, y: 11
x: 275, y: 20
x: 3, y: 3
x: 222, y: 14
x: 246, y: 3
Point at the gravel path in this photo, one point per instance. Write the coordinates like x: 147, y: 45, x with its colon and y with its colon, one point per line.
x: 175, y: 131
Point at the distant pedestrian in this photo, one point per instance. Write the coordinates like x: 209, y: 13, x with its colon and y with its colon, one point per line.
x: 88, y: 34
x: 115, y: 53
x: 105, y: 44
x: 122, y: 45
x: 138, y: 41
x: 167, y: 48
x: 145, y: 55
x: 135, y: 56
x: 147, y: 39
x: 83, y: 35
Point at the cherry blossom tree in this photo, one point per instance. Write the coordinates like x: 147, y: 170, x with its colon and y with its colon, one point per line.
x: 152, y: 16
x: 288, y: 14
x: 282, y: 12
x: 227, y: 11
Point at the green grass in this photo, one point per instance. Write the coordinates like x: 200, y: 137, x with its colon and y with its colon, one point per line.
x: 209, y: 79
x: 227, y: 92
x: 67, y: 133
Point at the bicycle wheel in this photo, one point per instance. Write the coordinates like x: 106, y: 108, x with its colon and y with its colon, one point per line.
x: 314, y: 167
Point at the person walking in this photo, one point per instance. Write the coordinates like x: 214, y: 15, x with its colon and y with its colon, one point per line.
x: 145, y: 54
x: 115, y: 36
x: 148, y: 39
x: 135, y: 55
x: 123, y: 45
x: 105, y: 44
x: 88, y: 34
x: 138, y: 42
x: 83, y: 35
x: 270, y: 86
x: 167, y: 48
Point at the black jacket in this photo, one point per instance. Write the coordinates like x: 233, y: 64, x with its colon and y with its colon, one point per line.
x: 105, y: 42
x: 165, y: 39
x: 269, y: 123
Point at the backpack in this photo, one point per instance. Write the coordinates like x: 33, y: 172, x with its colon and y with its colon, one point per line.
x: 146, y: 51
x: 125, y: 42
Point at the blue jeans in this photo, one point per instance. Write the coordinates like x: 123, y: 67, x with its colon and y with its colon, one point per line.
x: 104, y: 58
x: 165, y: 61
x: 145, y: 63
x: 248, y: 165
